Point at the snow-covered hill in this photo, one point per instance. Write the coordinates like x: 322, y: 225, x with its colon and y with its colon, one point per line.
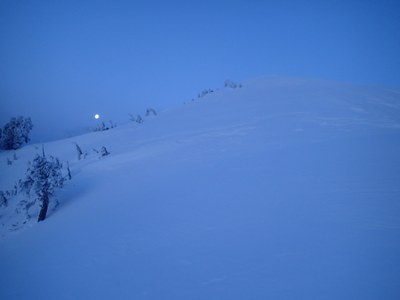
x: 281, y: 189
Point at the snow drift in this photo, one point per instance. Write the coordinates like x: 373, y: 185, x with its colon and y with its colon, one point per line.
x: 280, y: 189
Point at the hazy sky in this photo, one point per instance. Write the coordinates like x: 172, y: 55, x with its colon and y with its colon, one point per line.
x: 63, y: 61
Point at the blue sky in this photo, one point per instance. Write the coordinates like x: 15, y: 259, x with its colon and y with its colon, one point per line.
x: 63, y: 61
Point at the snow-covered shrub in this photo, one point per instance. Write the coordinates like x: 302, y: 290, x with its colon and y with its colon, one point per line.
x: 150, y: 111
x: 12, y: 192
x: 137, y: 119
x: 112, y: 124
x: 43, y: 178
x: 204, y: 92
x: 103, y: 151
x: 232, y: 84
x: 103, y: 127
x: 79, y: 151
x: 3, y: 199
x: 69, y: 176
x: 23, y: 207
x: 15, y: 133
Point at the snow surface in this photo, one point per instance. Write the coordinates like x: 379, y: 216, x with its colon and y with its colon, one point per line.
x: 281, y: 189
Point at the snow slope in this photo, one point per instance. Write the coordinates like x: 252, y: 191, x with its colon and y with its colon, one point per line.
x: 282, y: 189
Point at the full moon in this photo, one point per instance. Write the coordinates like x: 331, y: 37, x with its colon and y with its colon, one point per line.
x: 96, y: 116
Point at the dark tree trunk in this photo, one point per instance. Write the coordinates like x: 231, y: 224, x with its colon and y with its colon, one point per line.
x: 69, y: 171
x: 45, y: 206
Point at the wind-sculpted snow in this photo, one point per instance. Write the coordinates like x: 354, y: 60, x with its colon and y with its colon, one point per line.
x: 280, y: 189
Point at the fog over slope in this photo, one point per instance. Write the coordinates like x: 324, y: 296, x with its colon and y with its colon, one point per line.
x: 280, y: 189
